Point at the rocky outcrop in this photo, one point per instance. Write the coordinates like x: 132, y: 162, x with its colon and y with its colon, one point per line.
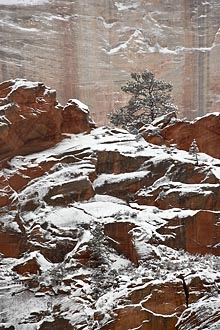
x: 104, y: 230
x: 197, y: 233
x: 204, y: 130
x: 77, y: 113
x: 32, y: 119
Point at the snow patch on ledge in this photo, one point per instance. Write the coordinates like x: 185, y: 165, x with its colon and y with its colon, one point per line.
x: 122, y: 6
x: 80, y: 105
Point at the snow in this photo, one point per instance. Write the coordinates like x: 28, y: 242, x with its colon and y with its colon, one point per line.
x: 103, y: 209
x: 68, y: 217
x: 116, y: 178
x: 129, y: 5
x: 159, y: 263
x: 81, y: 105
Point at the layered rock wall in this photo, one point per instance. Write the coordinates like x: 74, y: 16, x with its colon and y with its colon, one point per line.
x: 92, y: 46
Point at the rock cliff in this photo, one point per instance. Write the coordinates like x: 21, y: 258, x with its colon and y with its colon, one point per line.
x: 100, y: 229
x: 89, y: 48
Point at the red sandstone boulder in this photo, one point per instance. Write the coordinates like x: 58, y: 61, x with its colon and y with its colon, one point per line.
x: 76, y: 118
x: 204, y: 130
x: 32, y: 119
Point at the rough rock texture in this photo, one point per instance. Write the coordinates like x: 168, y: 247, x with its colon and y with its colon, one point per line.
x: 89, y: 48
x: 199, y: 231
x: 12, y: 244
x: 32, y: 119
x: 204, y: 130
x: 104, y: 230
x: 121, y: 239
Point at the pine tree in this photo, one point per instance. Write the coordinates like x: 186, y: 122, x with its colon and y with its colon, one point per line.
x: 150, y: 98
x: 193, y: 150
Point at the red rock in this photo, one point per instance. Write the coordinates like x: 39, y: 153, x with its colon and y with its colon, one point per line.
x: 30, y: 266
x: 76, y: 119
x: 197, y: 234
x: 204, y: 130
x: 57, y: 324
x: 55, y: 253
x: 33, y: 120
x: 75, y: 190
x: 12, y: 244
x: 135, y: 317
x: 115, y: 162
x: 203, y: 316
x: 124, y: 187
x: 122, y: 239
x: 164, y: 298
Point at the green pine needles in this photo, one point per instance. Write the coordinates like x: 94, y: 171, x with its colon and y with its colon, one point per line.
x: 150, y: 98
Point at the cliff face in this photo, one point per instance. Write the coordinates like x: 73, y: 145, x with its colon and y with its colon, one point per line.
x: 100, y: 229
x: 88, y: 48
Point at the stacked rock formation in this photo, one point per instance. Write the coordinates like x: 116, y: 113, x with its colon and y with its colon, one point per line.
x: 100, y: 229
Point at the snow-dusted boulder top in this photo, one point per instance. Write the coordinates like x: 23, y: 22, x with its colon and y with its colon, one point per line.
x: 31, y: 119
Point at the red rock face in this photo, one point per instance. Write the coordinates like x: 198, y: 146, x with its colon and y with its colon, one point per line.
x: 32, y: 119
x: 204, y: 130
x: 137, y: 317
x: 198, y: 233
x: 29, y: 267
x: 122, y: 239
x: 12, y: 244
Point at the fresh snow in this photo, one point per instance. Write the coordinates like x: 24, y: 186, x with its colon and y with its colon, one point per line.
x: 159, y: 264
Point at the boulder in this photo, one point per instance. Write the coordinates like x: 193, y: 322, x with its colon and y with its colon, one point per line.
x: 204, y: 130
x: 76, y: 118
x: 33, y: 120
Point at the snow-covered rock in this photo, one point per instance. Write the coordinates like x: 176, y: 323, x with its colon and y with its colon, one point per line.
x: 104, y: 230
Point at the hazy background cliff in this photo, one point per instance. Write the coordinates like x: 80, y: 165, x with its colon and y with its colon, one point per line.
x: 87, y: 49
